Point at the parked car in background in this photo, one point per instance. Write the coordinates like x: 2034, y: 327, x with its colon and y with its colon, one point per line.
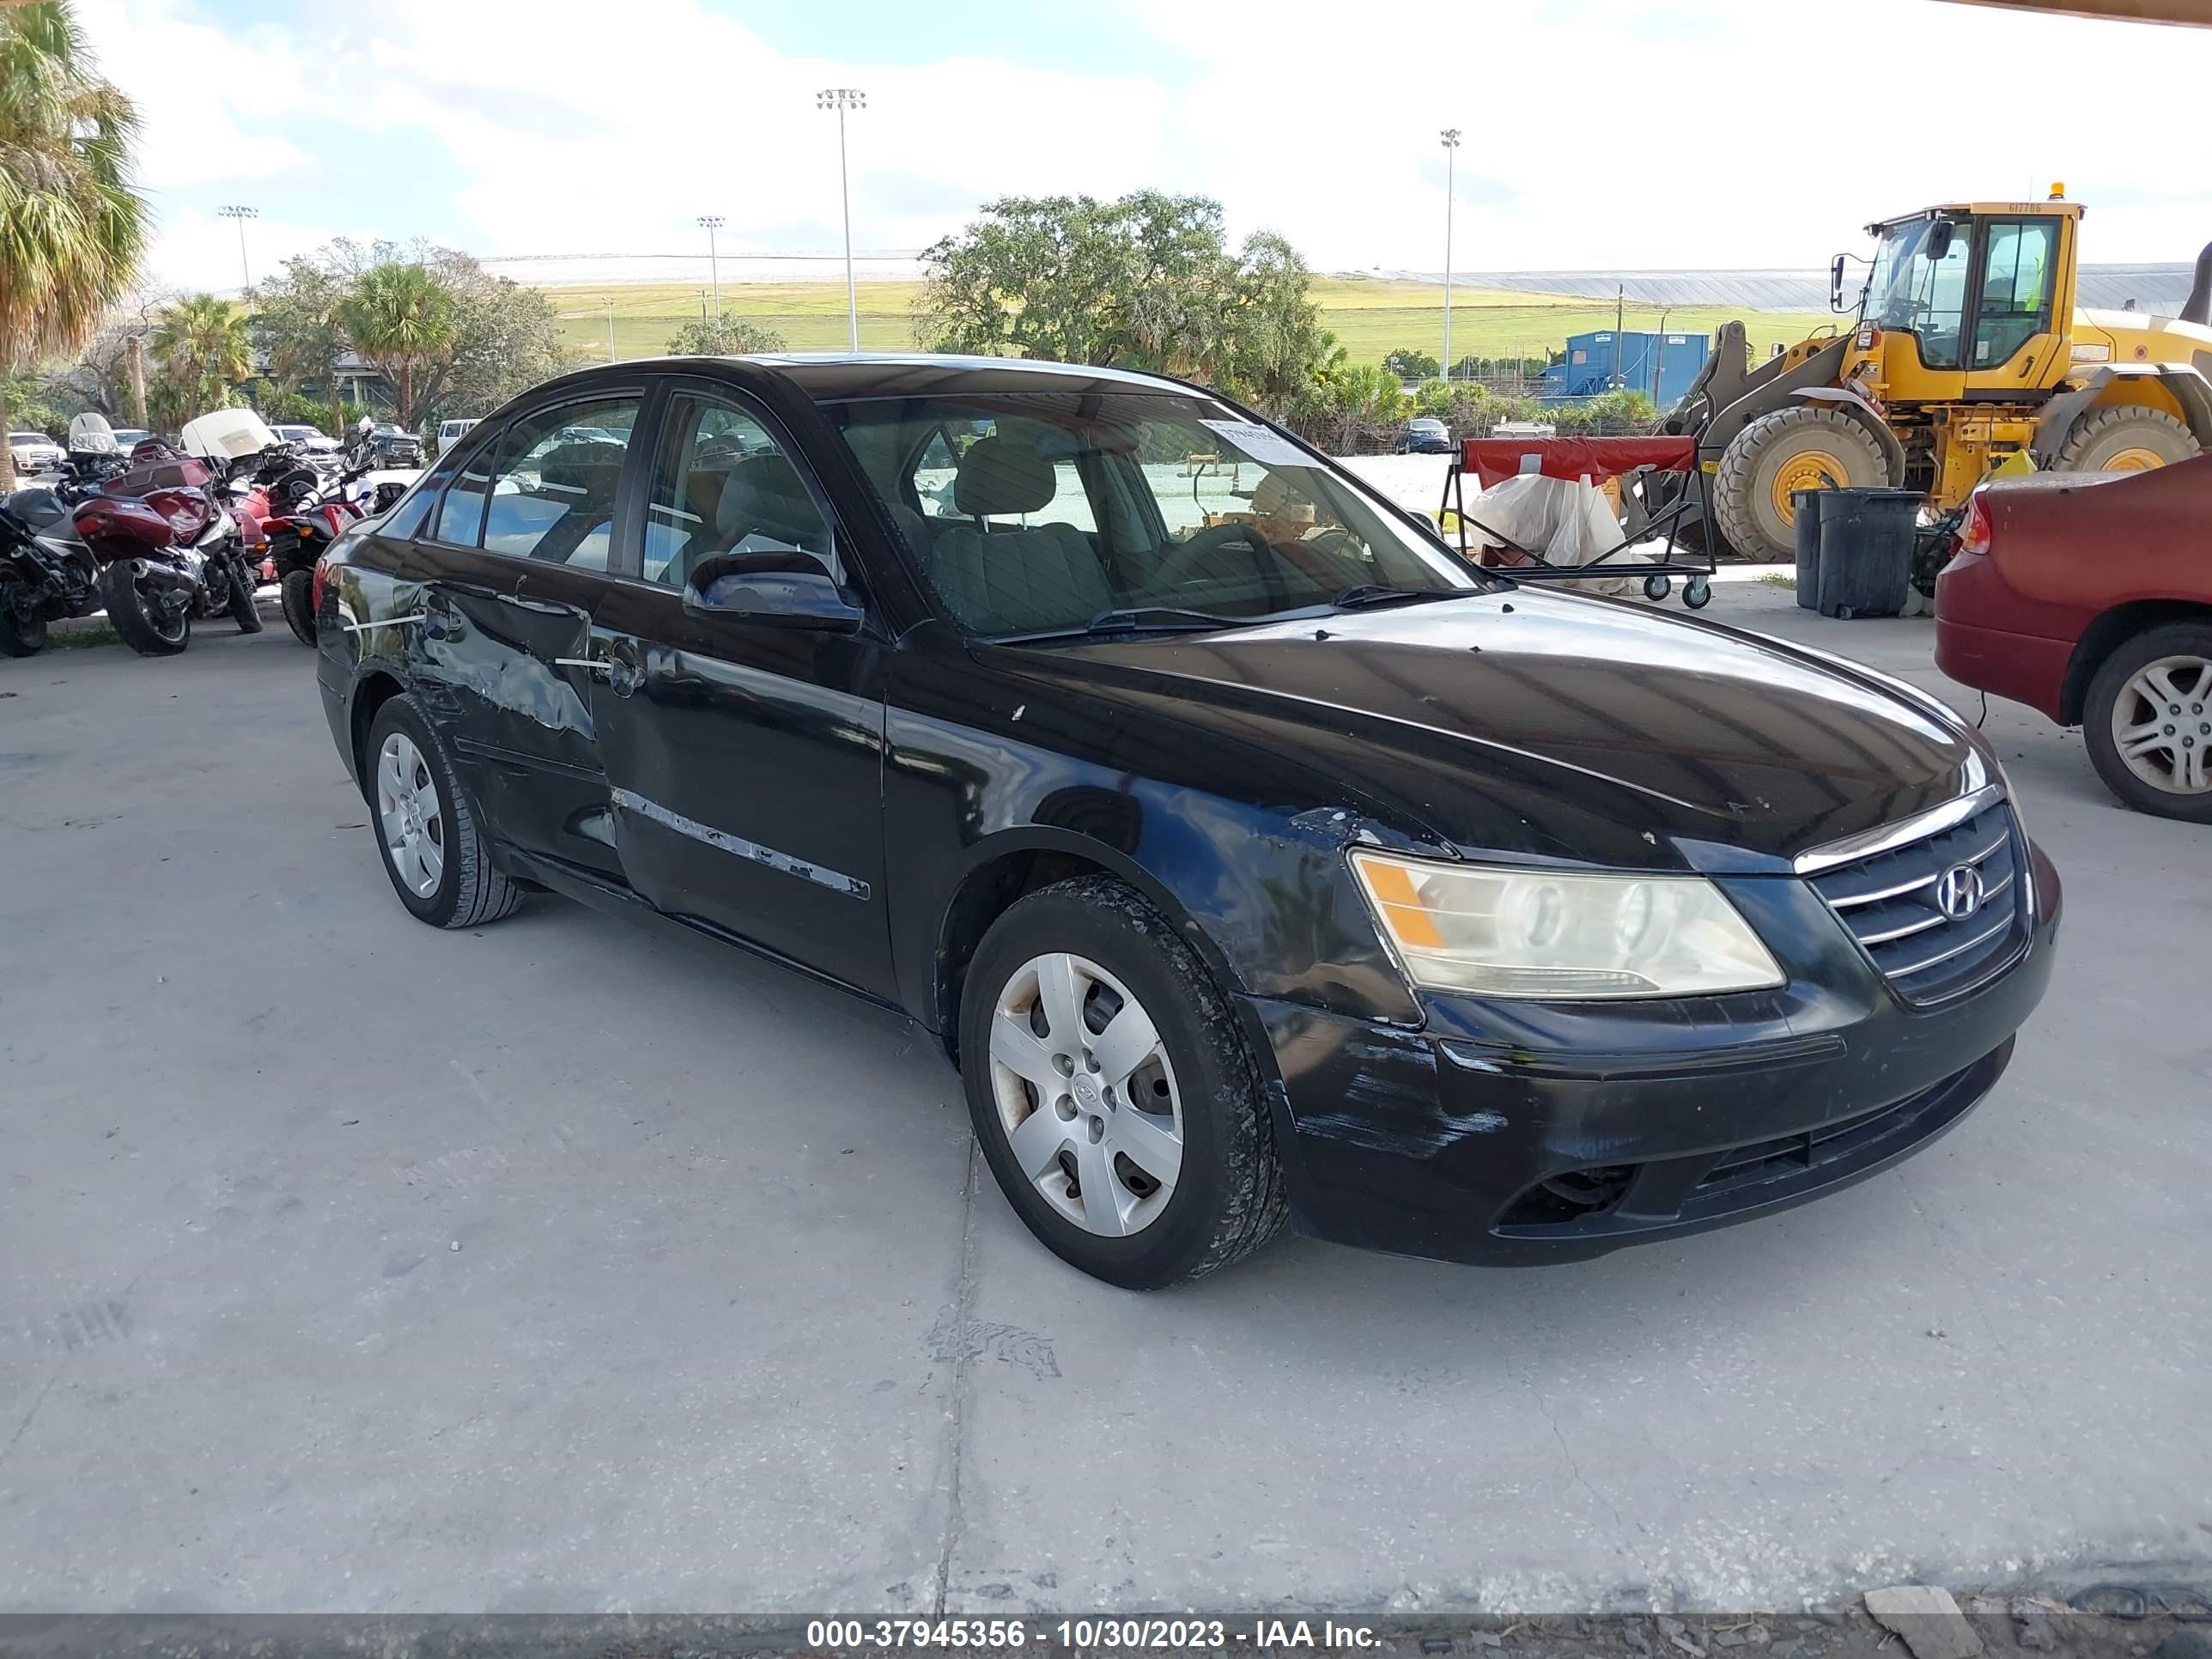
x: 128, y: 438
x: 451, y: 432
x: 35, y: 451
x: 395, y: 445
x: 1426, y: 435
x: 308, y: 440
x: 2089, y: 596
x: 1246, y: 864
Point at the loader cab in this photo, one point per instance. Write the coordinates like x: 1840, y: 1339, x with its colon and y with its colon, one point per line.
x: 1967, y: 303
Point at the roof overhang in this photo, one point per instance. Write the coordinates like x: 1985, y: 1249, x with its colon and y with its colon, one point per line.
x: 2196, y: 14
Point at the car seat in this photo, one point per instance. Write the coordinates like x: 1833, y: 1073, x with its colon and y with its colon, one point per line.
x: 1006, y: 578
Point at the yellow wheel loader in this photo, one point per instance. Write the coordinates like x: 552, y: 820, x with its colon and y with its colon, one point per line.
x: 1966, y: 348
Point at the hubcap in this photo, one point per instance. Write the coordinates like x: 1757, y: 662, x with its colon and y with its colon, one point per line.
x: 407, y: 807
x: 2162, y: 725
x: 1086, y: 1094
x: 1805, y: 471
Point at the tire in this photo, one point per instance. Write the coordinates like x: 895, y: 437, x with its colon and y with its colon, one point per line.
x: 466, y: 891
x: 2130, y: 435
x: 2157, y: 781
x: 1223, y: 1197
x: 1792, y: 447
x: 133, y: 621
x: 243, y: 610
x: 297, y: 596
x: 19, y: 636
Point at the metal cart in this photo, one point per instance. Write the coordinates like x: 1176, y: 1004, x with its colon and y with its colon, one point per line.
x: 1634, y: 461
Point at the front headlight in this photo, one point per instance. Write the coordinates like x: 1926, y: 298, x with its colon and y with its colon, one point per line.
x: 1499, y: 931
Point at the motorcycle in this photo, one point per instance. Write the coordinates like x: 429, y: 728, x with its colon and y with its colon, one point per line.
x: 46, y: 573
x: 166, y: 547
x: 305, y: 515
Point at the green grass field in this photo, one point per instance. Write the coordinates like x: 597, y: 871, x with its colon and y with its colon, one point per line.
x: 1371, y: 318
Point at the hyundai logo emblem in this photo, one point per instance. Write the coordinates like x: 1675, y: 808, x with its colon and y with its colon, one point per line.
x: 1958, y: 891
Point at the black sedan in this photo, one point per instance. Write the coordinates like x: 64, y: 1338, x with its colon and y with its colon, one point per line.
x: 1253, y: 858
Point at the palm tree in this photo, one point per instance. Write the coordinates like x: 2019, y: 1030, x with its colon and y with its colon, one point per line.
x: 71, y: 228
x: 402, y: 320
x: 203, y: 347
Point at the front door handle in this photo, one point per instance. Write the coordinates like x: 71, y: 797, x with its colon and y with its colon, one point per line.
x: 597, y: 665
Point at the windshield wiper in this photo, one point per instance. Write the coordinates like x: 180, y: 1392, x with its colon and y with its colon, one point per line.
x: 1364, y: 594
x: 1132, y: 619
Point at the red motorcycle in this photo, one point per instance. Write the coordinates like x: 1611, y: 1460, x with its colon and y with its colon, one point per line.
x: 166, y: 550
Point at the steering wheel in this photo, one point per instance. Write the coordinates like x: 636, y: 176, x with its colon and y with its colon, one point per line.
x: 1177, y: 568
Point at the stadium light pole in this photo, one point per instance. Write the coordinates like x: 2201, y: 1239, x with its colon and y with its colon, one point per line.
x: 610, y: 303
x: 242, y: 214
x: 1450, y: 137
x: 841, y: 99
x: 711, y: 222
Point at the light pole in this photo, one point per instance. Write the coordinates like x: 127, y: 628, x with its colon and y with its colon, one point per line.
x: 1659, y: 352
x: 241, y: 213
x: 711, y: 222
x: 610, y: 303
x: 841, y: 99
x: 1450, y: 137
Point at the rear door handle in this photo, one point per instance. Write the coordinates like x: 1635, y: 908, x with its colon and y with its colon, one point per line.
x: 596, y: 664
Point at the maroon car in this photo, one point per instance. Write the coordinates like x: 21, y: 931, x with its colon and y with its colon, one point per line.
x: 2089, y: 596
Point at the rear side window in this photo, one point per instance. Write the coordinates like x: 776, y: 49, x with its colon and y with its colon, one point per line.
x: 553, y: 496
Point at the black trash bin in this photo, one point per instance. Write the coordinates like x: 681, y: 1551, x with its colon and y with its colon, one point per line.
x: 1805, y: 504
x: 1865, y: 562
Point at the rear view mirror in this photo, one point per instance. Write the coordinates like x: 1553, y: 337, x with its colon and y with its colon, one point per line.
x: 1940, y: 235
x: 771, y: 589
x: 1835, y: 285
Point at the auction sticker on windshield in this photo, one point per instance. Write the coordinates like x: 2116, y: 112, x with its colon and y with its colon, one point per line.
x: 1261, y: 444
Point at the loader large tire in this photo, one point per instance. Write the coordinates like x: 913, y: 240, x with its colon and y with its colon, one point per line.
x: 2127, y: 438
x: 1805, y: 447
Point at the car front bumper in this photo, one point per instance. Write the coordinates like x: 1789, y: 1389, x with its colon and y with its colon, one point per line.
x: 1495, y: 1136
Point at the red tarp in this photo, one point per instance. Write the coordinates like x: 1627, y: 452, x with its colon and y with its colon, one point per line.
x: 1495, y: 459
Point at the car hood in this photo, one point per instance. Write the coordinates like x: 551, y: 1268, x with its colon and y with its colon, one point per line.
x: 1552, y: 725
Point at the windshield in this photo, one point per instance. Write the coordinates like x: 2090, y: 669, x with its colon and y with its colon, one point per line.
x: 1918, y: 285
x: 1040, y: 511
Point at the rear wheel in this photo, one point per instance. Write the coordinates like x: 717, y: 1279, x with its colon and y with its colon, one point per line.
x: 296, y: 597
x: 152, y: 625
x: 2148, y: 722
x: 1806, y: 446
x: 1112, y: 1092
x: 2125, y: 438
x: 21, y: 635
x: 426, y: 829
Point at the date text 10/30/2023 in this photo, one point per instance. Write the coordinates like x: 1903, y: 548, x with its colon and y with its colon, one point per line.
x: 1113, y: 1634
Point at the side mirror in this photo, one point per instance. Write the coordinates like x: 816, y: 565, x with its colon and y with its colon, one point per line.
x: 1835, y: 285
x: 771, y: 589
x: 1940, y: 237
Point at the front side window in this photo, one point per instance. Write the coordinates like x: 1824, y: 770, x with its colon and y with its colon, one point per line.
x: 723, y: 485
x: 549, y: 495
x: 1918, y: 286
x: 1036, y: 511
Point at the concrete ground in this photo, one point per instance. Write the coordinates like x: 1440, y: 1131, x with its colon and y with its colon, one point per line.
x: 345, y: 1265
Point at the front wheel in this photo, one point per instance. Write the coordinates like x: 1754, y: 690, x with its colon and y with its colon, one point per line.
x: 151, y: 625
x: 296, y: 595
x: 2148, y: 722
x: 1805, y: 447
x: 1112, y: 1092
x: 243, y: 610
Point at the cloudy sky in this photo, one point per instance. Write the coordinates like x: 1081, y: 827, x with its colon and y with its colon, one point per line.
x: 1633, y: 134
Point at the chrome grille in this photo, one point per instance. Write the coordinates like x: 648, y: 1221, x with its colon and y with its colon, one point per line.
x: 1890, y: 903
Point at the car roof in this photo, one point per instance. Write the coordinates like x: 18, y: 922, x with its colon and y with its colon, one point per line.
x: 830, y: 375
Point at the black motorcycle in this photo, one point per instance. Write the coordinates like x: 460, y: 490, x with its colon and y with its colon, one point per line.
x: 47, y: 573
